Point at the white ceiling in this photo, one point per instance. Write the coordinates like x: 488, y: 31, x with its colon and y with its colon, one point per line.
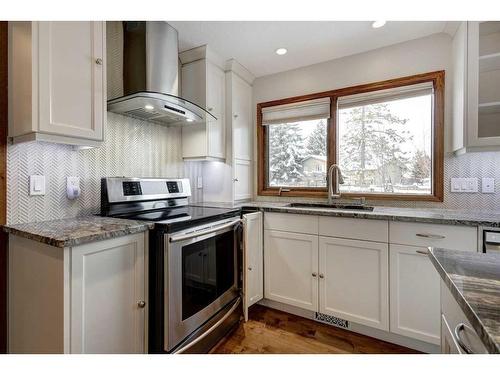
x: 252, y: 43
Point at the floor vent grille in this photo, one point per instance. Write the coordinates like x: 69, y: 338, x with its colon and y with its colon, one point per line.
x: 331, y: 320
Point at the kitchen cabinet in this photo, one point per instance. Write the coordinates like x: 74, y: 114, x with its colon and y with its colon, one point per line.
x: 90, y: 298
x: 458, y: 335
x: 476, y: 90
x: 253, y: 262
x: 57, y: 92
x: 414, y: 282
x: 203, y: 83
x: 291, y: 268
x: 354, y: 281
x: 232, y: 180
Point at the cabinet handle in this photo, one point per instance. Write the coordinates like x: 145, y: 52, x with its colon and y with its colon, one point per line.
x: 423, y: 252
x: 321, y: 276
x: 432, y: 236
x: 459, y: 328
x: 235, y: 116
x: 249, y: 268
x: 141, y: 304
x: 235, y: 180
x: 98, y: 61
x: 314, y: 274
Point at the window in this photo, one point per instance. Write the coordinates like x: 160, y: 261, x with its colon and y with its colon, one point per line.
x: 387, y: 138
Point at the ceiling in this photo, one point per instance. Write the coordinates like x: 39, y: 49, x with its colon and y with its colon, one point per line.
x: 253, y: 43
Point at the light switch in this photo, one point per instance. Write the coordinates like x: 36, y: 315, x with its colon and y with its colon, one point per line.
x: 488, y: 185
x: 464, y: 185
x: 37, y: 185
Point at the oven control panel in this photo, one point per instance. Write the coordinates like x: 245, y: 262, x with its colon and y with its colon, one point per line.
x: 174, y: 187
x: 132, y: 188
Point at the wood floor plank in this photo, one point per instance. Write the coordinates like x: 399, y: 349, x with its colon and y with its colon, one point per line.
x: 270, y: 331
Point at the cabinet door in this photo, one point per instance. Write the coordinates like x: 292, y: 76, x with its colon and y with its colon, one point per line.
x: 242, y: 118
x: 215, y: 105
x: 242, y: 179
x: 354, y: 281
x: 253, y: 260
x: 290, y: 268
x: 107, y: 287
x: 415, y: 300
x: 448, y: 342
x: 72, y: 78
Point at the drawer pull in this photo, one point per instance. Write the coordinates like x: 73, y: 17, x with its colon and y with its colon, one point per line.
x: 431, y: 236
x: 459, y: 328
x: 423, y: 252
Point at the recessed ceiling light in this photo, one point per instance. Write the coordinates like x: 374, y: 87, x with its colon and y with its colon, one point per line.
x: 281, y: 51
x: 149, y: 107
x: 378, y: 24
x: 189, y: 120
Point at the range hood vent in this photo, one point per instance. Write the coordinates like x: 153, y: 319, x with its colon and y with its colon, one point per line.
x: 143, y: 74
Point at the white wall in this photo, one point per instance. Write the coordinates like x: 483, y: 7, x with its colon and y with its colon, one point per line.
x: 413, y: 57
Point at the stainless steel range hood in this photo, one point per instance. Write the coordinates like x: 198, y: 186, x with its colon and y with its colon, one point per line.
x: 143, y: 74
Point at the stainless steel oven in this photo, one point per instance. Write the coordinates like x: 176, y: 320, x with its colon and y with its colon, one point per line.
x: 201, y: 276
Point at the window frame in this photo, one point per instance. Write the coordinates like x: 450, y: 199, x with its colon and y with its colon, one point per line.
x: 438, y: 80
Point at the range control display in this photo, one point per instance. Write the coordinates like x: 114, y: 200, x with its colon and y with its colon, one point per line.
x: 132, y: 188
x: 174, y: 187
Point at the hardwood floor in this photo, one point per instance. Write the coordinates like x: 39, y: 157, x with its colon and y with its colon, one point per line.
x: 276, y: 332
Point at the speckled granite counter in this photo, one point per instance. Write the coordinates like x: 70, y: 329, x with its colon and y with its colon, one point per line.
x: 417, y: 215
x: 76, y: 231
x: 474, y: 281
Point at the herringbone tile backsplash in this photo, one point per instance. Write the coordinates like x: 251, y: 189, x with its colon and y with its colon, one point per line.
x: 132, y: 148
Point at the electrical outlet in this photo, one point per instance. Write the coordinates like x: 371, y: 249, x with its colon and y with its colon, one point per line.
x: 488, y: 185
x: 199, y: 182
x: 464, y: 185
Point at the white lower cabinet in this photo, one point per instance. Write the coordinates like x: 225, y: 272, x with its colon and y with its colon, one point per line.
x: 354, y: 281
x: 89, y: 298
x: 291, y: 268
x: 107, y: 296
x: 253, y: 262
x: 415, y: 306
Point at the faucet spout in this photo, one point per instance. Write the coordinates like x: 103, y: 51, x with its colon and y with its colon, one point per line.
x: 333, y: 188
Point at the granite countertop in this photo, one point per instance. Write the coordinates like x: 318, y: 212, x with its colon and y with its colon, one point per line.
x: 474, y: 280
x: 417, y: 215
x: 77, y: 231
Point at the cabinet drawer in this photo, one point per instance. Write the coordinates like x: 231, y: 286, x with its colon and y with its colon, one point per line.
x: 291, y: 222
x: 447, y: 236
x: 454, y: 316
x: 359, y: 229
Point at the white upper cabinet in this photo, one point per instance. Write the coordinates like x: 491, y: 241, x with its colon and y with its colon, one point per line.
x: 57, y: 82
x: 476, y: 90
x: 203, y: 83
x: 232, y: 180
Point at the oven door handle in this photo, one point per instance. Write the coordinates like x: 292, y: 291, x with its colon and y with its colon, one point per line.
x: 182, y: 237
x: 210, y: 330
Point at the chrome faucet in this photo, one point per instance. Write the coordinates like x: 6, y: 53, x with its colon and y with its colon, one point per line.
x: 334, y: 191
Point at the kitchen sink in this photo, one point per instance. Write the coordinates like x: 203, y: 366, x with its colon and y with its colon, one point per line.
x: 336, y: 206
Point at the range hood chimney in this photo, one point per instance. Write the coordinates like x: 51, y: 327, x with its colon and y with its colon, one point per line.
x: 143, y: 73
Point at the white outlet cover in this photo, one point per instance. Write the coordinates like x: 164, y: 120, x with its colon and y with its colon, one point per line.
x: 199, y: 182
x: 488, y: 185
x: 37, y: 185
x: 73, y: 187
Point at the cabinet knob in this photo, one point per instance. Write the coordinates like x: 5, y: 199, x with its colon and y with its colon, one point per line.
x: 141, y: 304
x: 314, y: 274
x: 235, y: 180
x: 235, y: 116
x: 249, y: 268
x: 98, y: 61
x: 321, y: 276
x: 210, y: 109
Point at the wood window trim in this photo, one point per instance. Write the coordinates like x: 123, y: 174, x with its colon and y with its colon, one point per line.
x: 437, y: 78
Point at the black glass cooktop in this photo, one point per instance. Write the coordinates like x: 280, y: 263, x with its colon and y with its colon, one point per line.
x: 183, y: 217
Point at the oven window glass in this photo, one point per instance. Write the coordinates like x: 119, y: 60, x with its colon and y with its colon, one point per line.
x: 207, y: 272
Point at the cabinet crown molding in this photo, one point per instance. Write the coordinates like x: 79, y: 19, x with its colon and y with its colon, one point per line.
x: 234, y: 66
x: 201, y: 53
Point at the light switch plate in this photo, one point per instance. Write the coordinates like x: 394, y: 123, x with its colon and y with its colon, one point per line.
x: 464, y: 185
x: 488, y: 185
x: 37, y: 185
x: 199, y: 182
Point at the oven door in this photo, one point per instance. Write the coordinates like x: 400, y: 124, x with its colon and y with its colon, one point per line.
x: 201, y: 274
